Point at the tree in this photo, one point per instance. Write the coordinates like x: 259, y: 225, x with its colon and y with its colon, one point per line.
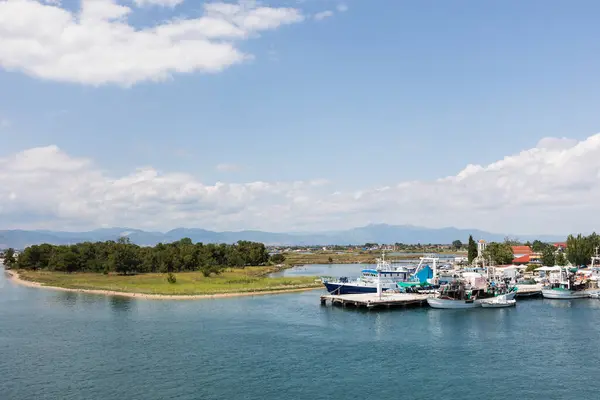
x: 125, y: 258
x: 500, y: 253
x: 457, y: 244
x: 561, y: 259
x: 278, y: 258
x: 512, y: 241
x: 548, y: 256
x: 171, y: 278
x: 330, y: 260
x: 538, y: 246
x: 472, y: 249
x: 579, y: 250
x: 9, y: 258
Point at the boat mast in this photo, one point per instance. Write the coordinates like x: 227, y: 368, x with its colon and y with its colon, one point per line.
x: 380, y: 266
x: 431, y: 258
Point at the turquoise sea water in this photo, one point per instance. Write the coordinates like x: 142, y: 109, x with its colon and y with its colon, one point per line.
x: 62, y: 345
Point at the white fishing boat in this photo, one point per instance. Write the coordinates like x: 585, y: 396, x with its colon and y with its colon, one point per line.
x: 436, y: 302
x: 567, y: 288
x: 562, y: 291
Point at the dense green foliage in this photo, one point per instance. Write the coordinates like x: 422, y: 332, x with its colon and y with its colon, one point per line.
x: 124, y: 257
x: 548, y: 256
x: 457, y: 244
x: 277, y: 258
x: 539, y: 247
x: 499, y: 253
x: 472, y: 249
x: 581, y: 248
x: 561, y: 259
x: 9, y: 258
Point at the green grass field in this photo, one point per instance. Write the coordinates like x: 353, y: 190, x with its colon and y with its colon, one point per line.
x: 250, y: 279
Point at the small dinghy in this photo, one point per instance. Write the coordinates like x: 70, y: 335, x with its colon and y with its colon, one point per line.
x: 498, y: 302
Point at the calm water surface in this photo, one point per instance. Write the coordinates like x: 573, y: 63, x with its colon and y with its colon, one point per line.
x: 61, y: 345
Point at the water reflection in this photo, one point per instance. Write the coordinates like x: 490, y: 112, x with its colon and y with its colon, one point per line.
x: 121, y: 304
x: 67, y: 298
x: 558, y: 303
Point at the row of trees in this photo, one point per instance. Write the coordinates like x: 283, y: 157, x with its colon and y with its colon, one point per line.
x: 124, y: 257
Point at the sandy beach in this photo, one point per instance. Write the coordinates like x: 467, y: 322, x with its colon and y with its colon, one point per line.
x: 14, y: 276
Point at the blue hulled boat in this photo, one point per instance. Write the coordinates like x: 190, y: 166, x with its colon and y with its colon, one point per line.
x: 367, y: 283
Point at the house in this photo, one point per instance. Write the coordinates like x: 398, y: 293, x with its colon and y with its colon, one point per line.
x: 522, y: 254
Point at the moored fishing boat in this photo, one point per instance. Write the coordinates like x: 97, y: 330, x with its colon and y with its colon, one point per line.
x: 469, y: 292
x: 567, y: 288
x: 461, y: 294
x: 562, y: 291
x: 384, y: 275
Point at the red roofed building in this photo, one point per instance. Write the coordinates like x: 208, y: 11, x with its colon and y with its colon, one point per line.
x: 522, y: 254
x: 561, y: 245
x: 526, y: 259
x: 521, y: 250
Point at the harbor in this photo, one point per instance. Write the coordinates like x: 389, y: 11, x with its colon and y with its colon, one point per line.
x: 453, y: 286
x: 402, y: 300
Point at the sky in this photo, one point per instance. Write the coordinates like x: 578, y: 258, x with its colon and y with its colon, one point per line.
x: 289, y: 115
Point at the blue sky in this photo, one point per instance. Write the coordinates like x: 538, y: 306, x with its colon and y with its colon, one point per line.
x: 383, y: 93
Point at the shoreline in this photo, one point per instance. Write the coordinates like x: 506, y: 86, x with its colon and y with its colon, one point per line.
x: 14, y: 276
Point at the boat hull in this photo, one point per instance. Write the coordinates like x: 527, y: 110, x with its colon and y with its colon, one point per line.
x: 348, y: 288
x: 452, y: 304
x: 564, y: 294
x: 503, y: 304
x: 510, y: 296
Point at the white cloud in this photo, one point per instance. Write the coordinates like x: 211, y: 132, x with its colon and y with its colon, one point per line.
x: 342, y: 8
x: 541, y: 190
x: 4, y: 123
x: 161, y: 3
x: 96, y: 45
x: 227, y: 167
x: 556, y: 143
x: 323, y: 14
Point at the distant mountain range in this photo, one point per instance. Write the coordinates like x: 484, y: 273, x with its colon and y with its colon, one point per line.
x: 375, y: 233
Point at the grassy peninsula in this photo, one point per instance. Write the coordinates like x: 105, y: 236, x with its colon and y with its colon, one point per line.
x: 180, y: 268
x: 231, y: 280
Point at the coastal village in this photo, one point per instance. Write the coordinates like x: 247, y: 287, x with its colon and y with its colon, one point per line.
x: 470, y: 281
x: 475, y: 274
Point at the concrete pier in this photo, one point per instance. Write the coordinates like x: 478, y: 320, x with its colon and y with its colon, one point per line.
x: 372, y: 300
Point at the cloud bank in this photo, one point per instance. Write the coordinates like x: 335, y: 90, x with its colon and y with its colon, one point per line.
x: 97, y: 45
x: 551, y: 188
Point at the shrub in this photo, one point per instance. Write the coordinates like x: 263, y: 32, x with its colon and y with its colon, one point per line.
x: 171, y: 277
